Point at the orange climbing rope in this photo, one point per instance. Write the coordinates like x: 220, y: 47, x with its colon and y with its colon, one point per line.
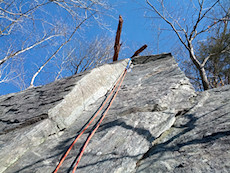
x: 92, y: 133
x: 80, y: 134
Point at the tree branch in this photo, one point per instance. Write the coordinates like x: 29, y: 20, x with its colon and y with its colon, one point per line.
x: 172, y: 26
x: 199, y: 19
x: 26, y: 49
x: 20, y: 16
x: 209, y: 9
x: 212, y: 54
x: 63, y: 61
x: 59, y: 48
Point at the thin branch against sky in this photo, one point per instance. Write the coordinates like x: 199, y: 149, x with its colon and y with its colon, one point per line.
x: 56, y: 18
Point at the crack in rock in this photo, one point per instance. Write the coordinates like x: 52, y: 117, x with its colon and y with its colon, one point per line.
x: 26, y: 123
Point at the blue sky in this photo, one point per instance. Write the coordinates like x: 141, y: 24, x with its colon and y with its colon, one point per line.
x: 138, y: 29
x: 135, y: 33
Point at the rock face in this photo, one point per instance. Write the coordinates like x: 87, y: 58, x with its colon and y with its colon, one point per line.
x: 28, y: 118
x: 157, y: 123
x: 199, y: 140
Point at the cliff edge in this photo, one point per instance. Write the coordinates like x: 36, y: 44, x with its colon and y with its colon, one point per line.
x: 157, y: 123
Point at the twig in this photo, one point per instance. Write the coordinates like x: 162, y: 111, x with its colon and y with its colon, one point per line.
x: 59, y: 48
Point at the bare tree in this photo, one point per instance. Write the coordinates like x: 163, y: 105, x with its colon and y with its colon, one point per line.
x: 56, y: 52
x: 32, y: 29
x: 90, y: 54
x: 217, y: 47
x: 63, y: 64
x: 188, y: 32
x: 3, y: 77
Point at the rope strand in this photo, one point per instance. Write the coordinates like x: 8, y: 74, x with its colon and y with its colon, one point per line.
x: 78, y: 136
x: 93, y: 132
x: 121, y: 78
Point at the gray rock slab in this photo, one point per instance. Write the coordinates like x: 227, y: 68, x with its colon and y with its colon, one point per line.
x: 152, y: 94
x: 28, y: 107
x: 24, y: 119
x: 28, y: 118
x: 199, y: 140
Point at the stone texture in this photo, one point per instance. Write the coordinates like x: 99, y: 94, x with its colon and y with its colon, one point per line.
x: 199, y: 140
x: 28, y: 118
x: 157, y: 123
x: 85, y: 92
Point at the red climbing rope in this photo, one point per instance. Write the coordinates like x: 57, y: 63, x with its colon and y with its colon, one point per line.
x: 71, y: 146
x: 93, y: 132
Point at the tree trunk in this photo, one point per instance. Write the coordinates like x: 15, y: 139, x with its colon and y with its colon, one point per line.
x: 199, y: 66
x: 204, y: 78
